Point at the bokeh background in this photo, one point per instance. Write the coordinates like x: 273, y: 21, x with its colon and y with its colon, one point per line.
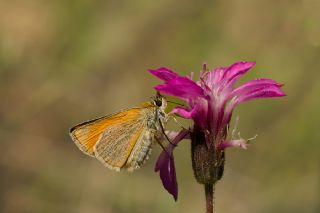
x: 63, y: 62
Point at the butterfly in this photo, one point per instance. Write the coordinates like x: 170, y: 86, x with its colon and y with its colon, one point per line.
x: 123, y: 140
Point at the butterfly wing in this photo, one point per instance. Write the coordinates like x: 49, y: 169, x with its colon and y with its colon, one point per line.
x: 117, y: 143
x: 121, y: 140
x: 87, y: 134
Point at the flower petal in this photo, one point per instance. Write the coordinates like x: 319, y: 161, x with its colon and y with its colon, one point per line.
x: 254, y: 85
x: 183, y: 134
x: 164, y: 73
x: 165, y: 165
x: 173, y: 134
x: 168, y: 177
x: 198, y: 113
x: 269, y: 91
x: 162, y: 160
x: 240, y: 143
x: 215, y: 76
x: 236, y: 70
x: 264, y: 92
x: 183, y: 112
x: 181, y: 87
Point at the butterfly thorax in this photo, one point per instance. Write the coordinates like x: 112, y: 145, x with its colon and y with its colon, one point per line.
x: 155, y: 116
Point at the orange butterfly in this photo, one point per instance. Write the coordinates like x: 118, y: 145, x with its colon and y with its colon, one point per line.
x: 123, y: 139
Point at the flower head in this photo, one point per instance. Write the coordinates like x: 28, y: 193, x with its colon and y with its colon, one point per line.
x: 211, y: 100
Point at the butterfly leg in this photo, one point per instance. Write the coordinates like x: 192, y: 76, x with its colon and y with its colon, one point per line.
x: 162, y: 146
x: 165, y: 135
x: 177, y: 122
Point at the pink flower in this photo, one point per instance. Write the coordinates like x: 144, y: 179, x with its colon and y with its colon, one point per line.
x: 209, y: 103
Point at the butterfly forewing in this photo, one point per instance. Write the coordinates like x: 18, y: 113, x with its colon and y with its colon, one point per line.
x: 87, y: 134
x: 116, y: 143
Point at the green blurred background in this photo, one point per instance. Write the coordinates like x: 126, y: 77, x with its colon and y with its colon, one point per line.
x: 63, y: 62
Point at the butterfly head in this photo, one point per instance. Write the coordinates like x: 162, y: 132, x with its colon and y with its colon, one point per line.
x: 159, y: 101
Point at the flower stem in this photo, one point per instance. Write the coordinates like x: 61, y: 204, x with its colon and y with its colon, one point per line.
x: 209, y: 191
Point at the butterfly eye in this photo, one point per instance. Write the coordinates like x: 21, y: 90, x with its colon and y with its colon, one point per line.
x: 158, y: 102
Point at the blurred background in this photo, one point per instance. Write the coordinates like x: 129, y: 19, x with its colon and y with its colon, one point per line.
x: 63, y: 62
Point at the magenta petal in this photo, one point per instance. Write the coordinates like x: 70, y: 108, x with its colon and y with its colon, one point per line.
x: 164, y: 73
x: 268, y: 91
x: 183, y: 112
x: 215, y: 76
x: 168, y: 177
x: 166, y: 168
x: 165, y: 154
x: 265, y: 92
x: 181, y: 87
x: 162, y: 160
x: 237, y: 69
x: 165, y: 165
x: 198, y: 113
x: 254, y: 85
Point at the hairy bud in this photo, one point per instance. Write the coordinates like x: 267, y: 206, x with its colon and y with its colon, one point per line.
x: 207, y: 161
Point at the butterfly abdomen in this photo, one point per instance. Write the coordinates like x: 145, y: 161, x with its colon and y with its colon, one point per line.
x: 142, y: 150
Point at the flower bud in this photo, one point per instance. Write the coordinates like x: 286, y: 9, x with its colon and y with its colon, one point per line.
x: 207, y: 161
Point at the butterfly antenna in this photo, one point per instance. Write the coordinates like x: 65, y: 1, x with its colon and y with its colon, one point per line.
x: 175, y: 103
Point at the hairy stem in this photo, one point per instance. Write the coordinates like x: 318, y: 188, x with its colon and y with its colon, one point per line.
x: 209, y: 191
